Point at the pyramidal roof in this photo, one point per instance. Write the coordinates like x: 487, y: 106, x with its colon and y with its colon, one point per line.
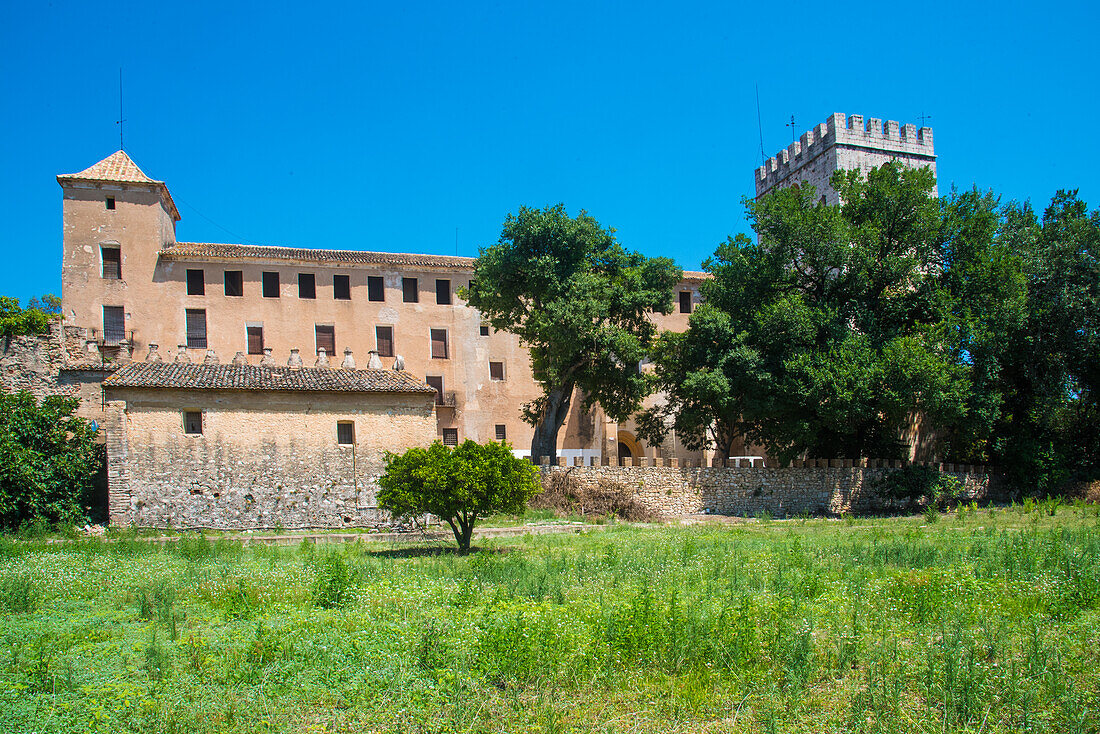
x: 120, y: 168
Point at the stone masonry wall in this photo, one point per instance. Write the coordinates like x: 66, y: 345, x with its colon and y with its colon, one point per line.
x: 782, y: 492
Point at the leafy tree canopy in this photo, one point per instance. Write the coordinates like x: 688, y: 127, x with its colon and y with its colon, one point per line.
x: 459, y: 485
x: 34, y: 319
x: 580, y: 303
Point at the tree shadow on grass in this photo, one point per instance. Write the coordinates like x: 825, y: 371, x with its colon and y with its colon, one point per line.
x: 420, y: 551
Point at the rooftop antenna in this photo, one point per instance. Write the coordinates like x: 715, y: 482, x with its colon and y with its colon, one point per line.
x: 924, y: 119
x: 794, y: 130
x: 456, y: 241
x: 760, y: 126
x: 120, y: 119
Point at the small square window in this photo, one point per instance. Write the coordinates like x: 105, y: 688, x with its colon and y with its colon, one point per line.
x: 110, y: 202
x: 376, y: 288
x: 345, y: 433
x: 450, y: 437
x: 307, y: 285
x: 484, y: 329
x: 234, y: 283
x: 341, y: 287
x: 192, y: 422
x: 112, y: 263
x: 410, y: 290
x: 685, y: 301
x: 196, y: 283
x: 496, y: 371
x: 501, y: 432
x: 439, y: 343
x: 443, y: 292
x: 271, y: 285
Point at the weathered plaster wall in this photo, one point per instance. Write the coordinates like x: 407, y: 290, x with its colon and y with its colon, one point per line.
x: 263, y: 460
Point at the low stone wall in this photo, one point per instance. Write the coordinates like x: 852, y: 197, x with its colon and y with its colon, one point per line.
x: 674, y: 491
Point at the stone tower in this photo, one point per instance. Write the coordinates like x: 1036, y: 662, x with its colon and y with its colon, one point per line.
x: 844, y: 143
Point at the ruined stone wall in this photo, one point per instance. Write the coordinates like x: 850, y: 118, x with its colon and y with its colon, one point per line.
x: 674, y: 491
x: 263, y: 460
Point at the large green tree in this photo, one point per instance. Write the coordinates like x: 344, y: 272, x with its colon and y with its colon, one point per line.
x: 580, y: 303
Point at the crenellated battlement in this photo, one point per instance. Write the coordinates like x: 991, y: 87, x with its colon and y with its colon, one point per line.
x: 847, y: 131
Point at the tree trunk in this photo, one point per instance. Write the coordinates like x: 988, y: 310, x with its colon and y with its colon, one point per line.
x: 545, y: 440
x: 463, y: 530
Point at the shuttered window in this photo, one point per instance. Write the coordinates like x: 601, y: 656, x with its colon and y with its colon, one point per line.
x: 345, y: 433
x: 326, y: 338
x: 437, y: 383
x: 496, y: 371
x: 196, y: 328
x: 450, y: 437
x: 383, y: 340
x: 114, y: 324
x: 271, y: 285
x: 685, y: 301
x: 501, y: 432
x: 410, y: 290
x: 439, y: 344
x: 234, y: 283
x: 341, y: 287
x: 443, y: 292
x: 376, y: 288
x: 307, y: 285
x: 196, y: 283
x: 255, y: 339
x: 112, y: 263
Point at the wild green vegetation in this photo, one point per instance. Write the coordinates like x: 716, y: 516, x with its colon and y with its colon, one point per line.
x: 983, y: 621
x: 34, y: 319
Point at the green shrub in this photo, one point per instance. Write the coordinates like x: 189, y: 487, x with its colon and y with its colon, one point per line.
x: 333, y: 586
x: 19, y: 594
x: 915, y: 484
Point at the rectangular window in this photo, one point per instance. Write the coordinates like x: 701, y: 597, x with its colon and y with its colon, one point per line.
x: 110, y: 202
x: 439, y: 344
x: 112, y: 263
x: 383, y: 340
x: 192, y: 422
x: 196, y: 283
x: 496, y: 370
x: 484, y: 329
x: 234, y: 283
x: 345, y: 433
x: 443, y: 292
x: 196, y: 328
x: 501, y: 432
x: 114, y: 324
x: 326, y: 338
x: 341, y: 287
x: 307, y: 285
x: 271, y: 285
x: 376, y: 288
x: 255, y: 339
x: 685, y: 301
x: 410, y: 290
x: 437, y: 383
x: 450, y: 437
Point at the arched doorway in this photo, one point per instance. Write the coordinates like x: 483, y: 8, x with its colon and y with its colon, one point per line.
x: 629, y: 447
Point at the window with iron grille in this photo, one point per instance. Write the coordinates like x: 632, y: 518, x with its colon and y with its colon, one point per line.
x: 271, y: 285
x: 326, y: 338
x: 114, y: 324
x: 501, y: 432
x: 345, y: 433
x: 437, y: 383
x: 112, y: 262
x: 484, y: 329
x: 410, y: 290
x: 192, y: 422
x: 450, y: 437
x: 439, y: 343
x: 383, y: 341
x: 255, y: 339
x: 196, y: 328
x: 341, y: 287
x: 234, y: 283
x: 685, y: 301
x: 110, y: 202
x: 196, y: 283
x: 307, y: 285
x: 443, y: 292
x: 496, y: 371
x: 376, y: 288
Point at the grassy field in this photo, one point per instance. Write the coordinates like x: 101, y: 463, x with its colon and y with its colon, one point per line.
x: 982, y: 621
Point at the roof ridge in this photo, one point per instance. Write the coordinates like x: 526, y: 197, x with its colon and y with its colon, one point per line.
x: 118, y: 166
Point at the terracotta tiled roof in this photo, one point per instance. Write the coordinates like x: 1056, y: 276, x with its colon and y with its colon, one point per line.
x: 120, y: 168
x: 696, y: 275
x: 204, y: 250
x: 247, y: 377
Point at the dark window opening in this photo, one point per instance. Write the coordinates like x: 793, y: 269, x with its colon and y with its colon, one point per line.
x: 383, y: 340
x: 501, y: 432
x: 437, y: 383
x: 685, y: 301
x: 443, y: 292
x: 192, y: 422
x: 496, y: 371
x: 234, y: 283
x: 271, y: 285
x: 112, y: 262
x: 410, y: 290
x: 255, y: 339
x: 196, y: 328
x: 196, y: 283
x: 307, y: 285
x: 114, y: 324
x: 341, y: 287
x: 376, y: 288
x: 450, y: 437
x: 345, y: 433
x: 110, y: 202
x: 326, y: 338
x: 485, y: 330
x: 439, y: 344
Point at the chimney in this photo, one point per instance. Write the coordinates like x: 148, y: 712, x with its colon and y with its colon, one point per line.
x: 154, y: 354
x: 374, y: 363
x: 295, y: 361
x: 322, y: 358
x: 181, y: 354
x: 349, y: 361
x: 399, y: 364
x: 267, y: 360
x: 211, y: 357
x: 239, y: 359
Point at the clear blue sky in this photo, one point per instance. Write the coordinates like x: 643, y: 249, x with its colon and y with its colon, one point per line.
x: 386, y: 126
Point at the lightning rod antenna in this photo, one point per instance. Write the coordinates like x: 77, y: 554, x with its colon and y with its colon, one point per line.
x: 760, y: 126
x: 121, y: 119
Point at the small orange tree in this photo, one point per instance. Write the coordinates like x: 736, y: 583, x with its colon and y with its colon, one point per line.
x: 459, y: 485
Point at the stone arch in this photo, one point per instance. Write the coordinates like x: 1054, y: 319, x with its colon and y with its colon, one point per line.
x: 630, y: 443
